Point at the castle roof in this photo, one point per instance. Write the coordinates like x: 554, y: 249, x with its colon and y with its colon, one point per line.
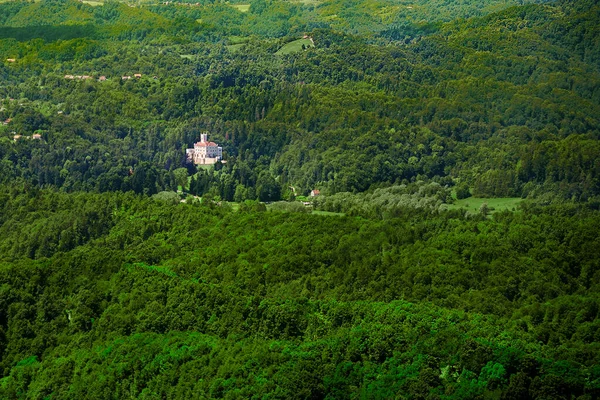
x: 207, y: 144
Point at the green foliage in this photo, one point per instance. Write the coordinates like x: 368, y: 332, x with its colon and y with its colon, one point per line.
x: 463, y: 191
x: 293, y: 305
x: 167, y: 197
x: 111, y: 287
x: 508, y: 115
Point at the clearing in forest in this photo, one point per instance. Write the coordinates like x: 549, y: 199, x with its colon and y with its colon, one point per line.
x: 295, y: 46
x: 472, y: 204
x: 241, y: 7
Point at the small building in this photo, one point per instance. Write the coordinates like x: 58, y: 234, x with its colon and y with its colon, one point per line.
x: 315, y: 193
x: 102, y: 78
x: 69, y: 77
x: 11, y: 60
x: 204, y: 152
x: 16, y: 137
x: 137, y: 75
x: 36, y: 136
x: 127, y: 77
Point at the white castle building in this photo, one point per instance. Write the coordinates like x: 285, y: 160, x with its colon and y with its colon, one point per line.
x: 204, y: 152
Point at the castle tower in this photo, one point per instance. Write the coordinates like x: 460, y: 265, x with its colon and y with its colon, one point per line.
x: 204, y: 137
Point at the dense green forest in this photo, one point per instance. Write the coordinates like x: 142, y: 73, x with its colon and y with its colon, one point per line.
x: 128, y: 272
x: 117, y: 295
x: 507, y: 103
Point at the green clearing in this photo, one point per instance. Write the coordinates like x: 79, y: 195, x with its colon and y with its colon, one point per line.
x: 241, y: 7
x: 188, y: 56
x: 93, y: 3
x: 473, y: 204
x: 234, y: 39
x: 235, y: 47
x: 306, y: 2
x: 295, y: 46
x: 329, y: 213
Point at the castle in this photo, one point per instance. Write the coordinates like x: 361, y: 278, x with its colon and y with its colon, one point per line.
x: 204, y: 152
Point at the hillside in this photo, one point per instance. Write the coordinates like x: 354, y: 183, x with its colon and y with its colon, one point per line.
x: 431, y: 177
x: 116, y: 295
x: 478, y: 101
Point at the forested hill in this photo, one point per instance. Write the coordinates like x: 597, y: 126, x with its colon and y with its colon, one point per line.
x: 127, y: 272
x: 122, y: 296
x: 506, y: 103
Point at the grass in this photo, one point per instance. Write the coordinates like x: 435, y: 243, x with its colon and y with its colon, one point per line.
x: 241, y: 7
x: 234, y: 39
x: 188, y: 56
x: 329, y: 213
x: 295, y: 46
x: 235, y: 47
x: 306, y: 2
x: 93, y: 3
x: 473, y: 204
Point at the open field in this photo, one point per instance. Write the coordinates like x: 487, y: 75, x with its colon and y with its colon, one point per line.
x: 241, y: 7
x: 306, y: 2
x: 234, y: 39
x: 234, y: 47
x: 473, y: 204
x: 93, y: 3
x: 295, y: 46
x: 329, y: 213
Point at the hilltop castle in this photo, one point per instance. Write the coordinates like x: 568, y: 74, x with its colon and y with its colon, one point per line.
x: 204, y: 152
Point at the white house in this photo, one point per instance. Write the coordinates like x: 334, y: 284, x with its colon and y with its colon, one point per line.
x: 204, y: 152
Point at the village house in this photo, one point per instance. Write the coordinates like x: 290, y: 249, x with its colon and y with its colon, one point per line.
x: 36, y: 136
x: 137, y: 75
x: 11, y: 60
x: 102, y: 78
x: 126, y: 77
x: 204, y: 152
x: 315, y: 193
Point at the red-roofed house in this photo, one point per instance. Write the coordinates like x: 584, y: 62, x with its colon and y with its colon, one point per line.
x: 315, y: 193
x: 204, y: 152
x: 102, y: 78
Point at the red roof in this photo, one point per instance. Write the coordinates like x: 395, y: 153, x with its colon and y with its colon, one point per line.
x: 209, y: 144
